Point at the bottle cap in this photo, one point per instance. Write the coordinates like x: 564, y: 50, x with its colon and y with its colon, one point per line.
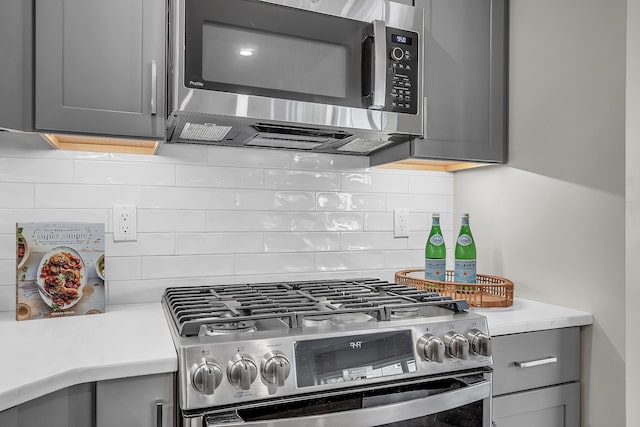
x: 436, y: 215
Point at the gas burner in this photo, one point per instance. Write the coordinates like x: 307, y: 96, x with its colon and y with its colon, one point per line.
x: 317, y: 321
x: 405, y: 312
x: 221, y: 328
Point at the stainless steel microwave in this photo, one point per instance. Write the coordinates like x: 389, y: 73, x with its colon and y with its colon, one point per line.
x: 341, y: 76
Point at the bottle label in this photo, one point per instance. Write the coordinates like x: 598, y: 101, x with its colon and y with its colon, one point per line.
x: 435, y: 269
x: 464, y: 240
x: 465, y: 271
x: 436, y: 240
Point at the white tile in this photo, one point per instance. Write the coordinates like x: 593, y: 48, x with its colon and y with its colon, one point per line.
x: 367, y: 182
x: 301, y: 180
x: 214, y: 176
x: 301, y: 242
x: 8, y: 297
x: 9, y: 217
x: 146, y: 244
x: 367, y: 260
x: 141, y: 291
x: 170, y: 153
x: 218, y: 243
x: 302, y: 160
x: 17, y: 195
x: 36, y: 170
x: 170, y: 220
x: 371, y: 241
x: 124, y: 173
x: 187, y: 198
x: 418, y: 202
x: 248, y: 278
x: 8, y: 246
x: 351, y: 202
x: 247, y: 221
x: 378, y: 221
x: 166, y: 267
x: 274, y: 200
x: 237, y: 156
x: 326, y: 221
x: 273, y: 263
x: 123, y: 268
x: 431, y: 184
x: 8, y: 272
x: 85, y: 196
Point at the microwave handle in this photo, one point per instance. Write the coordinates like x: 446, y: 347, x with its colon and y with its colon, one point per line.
x: 154, y: 87
x: 377, y: 34
x: 384, y: 414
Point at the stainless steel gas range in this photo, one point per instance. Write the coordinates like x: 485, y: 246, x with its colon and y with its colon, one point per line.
x: 328, y: 353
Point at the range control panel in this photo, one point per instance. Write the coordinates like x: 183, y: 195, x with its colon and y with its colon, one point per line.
x: 402, y: 71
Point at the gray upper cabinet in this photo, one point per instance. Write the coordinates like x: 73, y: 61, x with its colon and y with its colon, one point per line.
x: 100, y: 67
x: 465, y: 84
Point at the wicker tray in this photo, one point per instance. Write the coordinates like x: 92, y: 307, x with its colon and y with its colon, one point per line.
x: 488, y: 291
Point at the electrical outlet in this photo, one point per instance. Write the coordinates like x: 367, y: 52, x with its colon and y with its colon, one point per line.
x: 401, y: 223
x: 124, y: 223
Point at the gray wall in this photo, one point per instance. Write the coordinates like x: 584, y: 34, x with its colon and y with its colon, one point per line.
x: 633, y: 210
x: 552, y: 220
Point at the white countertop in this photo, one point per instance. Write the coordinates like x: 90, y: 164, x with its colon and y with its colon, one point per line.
x: 527, y: 315
x: 45, y: 355
x: 42, y: 356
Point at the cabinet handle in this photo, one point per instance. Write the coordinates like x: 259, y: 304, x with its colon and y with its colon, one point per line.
x: 159, y: 408
x: 538, y: 362
x: 154, y: 87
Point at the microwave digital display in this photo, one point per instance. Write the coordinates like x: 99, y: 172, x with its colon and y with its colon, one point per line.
x: 398, y: 38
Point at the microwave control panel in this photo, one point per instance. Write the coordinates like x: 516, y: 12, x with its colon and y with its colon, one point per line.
x: 402, y: 71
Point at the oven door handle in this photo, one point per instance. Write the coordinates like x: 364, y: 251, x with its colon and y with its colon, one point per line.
x: 384, y: 414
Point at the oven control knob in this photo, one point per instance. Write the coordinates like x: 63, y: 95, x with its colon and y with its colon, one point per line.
x: 457, y: 345
x: 242, y: 371
x: 480, y: 342
x: 206, y: 376
x: 431, y: 348
x: 397, y: 53
x: 275, y: 368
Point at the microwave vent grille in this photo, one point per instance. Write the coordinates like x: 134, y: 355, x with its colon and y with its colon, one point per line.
x: 361, y: 145
x: 274, y: 142
x: 207, y: 132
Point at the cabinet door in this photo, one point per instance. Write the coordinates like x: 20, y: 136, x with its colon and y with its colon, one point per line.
x: 465, y: 80
x: 557, y: 406
x: 145, y: 401
x: 95, y: 62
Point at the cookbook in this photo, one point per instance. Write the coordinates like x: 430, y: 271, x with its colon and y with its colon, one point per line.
x: 59, y: 269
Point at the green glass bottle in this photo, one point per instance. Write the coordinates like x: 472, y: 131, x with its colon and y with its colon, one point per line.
x: 435, y: 252
x: 465, y: 264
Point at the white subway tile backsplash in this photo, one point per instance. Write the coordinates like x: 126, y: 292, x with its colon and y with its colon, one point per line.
x: 17, y: 196
x: 168, y: 267
x: 170, y: 220
x: 273, y: 263
x: 221, y: 177
x: 301, y: 242
x: 211, y: 214
x: 247, y: 221
x: 39, y: 170
x: 302, y: 180
x: 65, y: 196
x: 368, y: 182
x: 218, y: 243
x: 274, y: 200
x: 351, y: 202
x: 326, y: 221
x: 124, y: 173
x: 368, y: 241
x: 187, y: 198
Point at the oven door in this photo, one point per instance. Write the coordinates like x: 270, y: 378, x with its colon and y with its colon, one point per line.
x: 459, y: 401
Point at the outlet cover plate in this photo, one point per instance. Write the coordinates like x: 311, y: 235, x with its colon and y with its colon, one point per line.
x: 401, y: 222
x: 125, y: 223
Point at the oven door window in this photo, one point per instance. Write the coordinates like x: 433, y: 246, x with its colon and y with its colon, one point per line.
x: 270, y: 50
x: 449, y: 402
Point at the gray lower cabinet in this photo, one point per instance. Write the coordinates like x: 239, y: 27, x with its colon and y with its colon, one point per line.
x: 145, y: 401
x: 100, y: 67
x: 69, y: 407
x: 465, y: 84
x: 536, y: 380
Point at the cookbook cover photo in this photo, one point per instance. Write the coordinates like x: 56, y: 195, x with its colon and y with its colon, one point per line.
x: 59, y: 269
